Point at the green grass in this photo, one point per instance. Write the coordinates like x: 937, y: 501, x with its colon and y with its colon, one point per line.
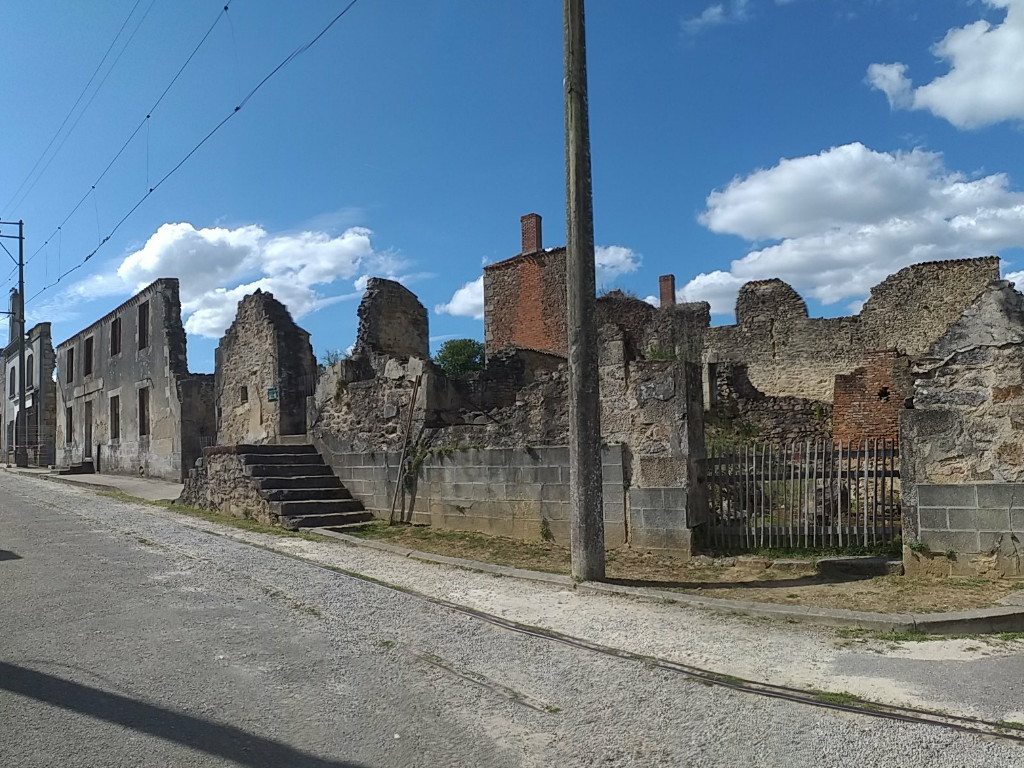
x: 242, y: 523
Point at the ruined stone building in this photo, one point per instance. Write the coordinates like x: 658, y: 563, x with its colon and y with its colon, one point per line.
x: 264, y: 370
x: 40, y: 391
x: 126, y: 401
x: 787, y: 375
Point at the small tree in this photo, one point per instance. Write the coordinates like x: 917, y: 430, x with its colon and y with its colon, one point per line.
x: 459, y: 357
x: 331, y: 356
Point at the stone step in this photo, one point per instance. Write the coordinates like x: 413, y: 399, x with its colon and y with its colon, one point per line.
x: 287, y: 470
x: 348, y: 527
x: 327, y: 506
x: 276, y: 448
x: 302, y: 440
x: 281, y: 458
x: 305, y: 494
x: 322, y: 521
x: 301, y: 481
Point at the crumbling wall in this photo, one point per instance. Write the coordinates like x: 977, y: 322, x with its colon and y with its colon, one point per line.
x: 790, y: 354
x: 126, y: 409
x: 392, y: 322
x: 264, y: 371
x: 961, y: 441
x: 868, y: 401
x: 739, y: 411
x: 219, y: 482
x: 524, y: 303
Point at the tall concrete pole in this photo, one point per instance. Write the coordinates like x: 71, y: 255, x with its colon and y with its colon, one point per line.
x: 21, y: 420
x: 586, y: 506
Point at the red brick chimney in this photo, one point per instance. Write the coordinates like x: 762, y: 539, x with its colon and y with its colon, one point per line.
x: 667, y: 284
x: 531, y: 233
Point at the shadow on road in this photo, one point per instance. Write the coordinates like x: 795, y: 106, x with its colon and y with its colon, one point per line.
x: 204, y: 735
x: 6, y: 555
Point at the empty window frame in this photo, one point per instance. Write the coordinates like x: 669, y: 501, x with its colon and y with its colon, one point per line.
x: 144, y: 411
x: 143, y: 325
x: 12, y: 381
x: 87, y: 354
x: 30, y: 373
x: 115, y: 417
x: 115, y: 336
x: 69, y: 358
x: 69, y: 425
x: 243, y: 394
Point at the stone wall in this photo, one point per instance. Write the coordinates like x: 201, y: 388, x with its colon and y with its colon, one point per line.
x: 738, y: 411
x: 138, y: 367
x: 219, y: 482
x: 969, y: 397
x: 265, y: 370
x: 790, y: 354
x: 392, y: 322
x: 40, y: 394
x: 974, y: 529
x: 868, y: 401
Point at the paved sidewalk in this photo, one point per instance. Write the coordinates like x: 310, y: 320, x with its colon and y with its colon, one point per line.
x: 142, y: 487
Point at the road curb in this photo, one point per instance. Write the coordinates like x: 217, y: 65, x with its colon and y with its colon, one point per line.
x: 977, y: 621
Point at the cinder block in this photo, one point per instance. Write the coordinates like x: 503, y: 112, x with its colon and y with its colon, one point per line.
x: 933, y: 519
x: 1001, y: 495
x: 962, y: 519
x: 549, y: 474
x: 614, y: 513
x: 613, y: 494
x: 612, y: 473
x: 1017, y: 521
x: 947, y: 495
x: 611, y: 454
x: 996, y: 520
x: 555, y: 492
x: 991, y: 541
x: 961, y: 542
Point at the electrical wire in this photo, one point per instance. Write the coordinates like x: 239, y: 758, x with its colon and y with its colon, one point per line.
x: 75, y: 105
x: 288, y: 59
x: 135, y: 132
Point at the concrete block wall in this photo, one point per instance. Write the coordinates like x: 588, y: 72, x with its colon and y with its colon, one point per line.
x: 518, y: 492
x: 977, y: 528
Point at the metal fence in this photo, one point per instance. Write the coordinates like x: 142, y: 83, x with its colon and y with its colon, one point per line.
x: 803, y: 495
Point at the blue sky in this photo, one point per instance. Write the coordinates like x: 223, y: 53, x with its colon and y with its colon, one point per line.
x: 827, y: 142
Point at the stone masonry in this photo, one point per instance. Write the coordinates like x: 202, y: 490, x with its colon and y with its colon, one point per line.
x: 962, y: 464
x: 265, y: 368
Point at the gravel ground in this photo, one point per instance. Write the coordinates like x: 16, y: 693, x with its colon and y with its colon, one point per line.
x: 309, y: 658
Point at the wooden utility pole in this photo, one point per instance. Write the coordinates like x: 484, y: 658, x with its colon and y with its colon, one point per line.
x: 21, y: 418
x: 586, y: 507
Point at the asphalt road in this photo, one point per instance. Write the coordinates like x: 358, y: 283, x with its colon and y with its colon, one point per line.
x: 129, y: 639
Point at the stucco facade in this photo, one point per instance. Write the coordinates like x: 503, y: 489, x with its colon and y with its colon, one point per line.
x: 125, y: 398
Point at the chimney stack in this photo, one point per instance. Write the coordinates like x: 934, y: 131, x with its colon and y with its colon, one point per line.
x: 667, y: 284
x: 531, y: 233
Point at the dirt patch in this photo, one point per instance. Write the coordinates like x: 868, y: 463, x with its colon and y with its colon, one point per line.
x: 755, y: 579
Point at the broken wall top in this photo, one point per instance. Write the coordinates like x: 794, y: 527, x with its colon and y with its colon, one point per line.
x: 392, y: 322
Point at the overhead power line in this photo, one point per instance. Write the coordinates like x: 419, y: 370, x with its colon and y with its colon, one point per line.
x: 287, y: 60
x: 134, y: 133
x: 73, y: 106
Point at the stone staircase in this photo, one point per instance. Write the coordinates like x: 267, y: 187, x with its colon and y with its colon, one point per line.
x: 300, y: 487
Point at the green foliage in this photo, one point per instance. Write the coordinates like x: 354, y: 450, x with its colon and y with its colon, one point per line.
x: 460, y: 357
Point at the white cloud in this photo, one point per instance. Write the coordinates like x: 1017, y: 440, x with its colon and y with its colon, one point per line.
x: 216, y: 267
x: 717, y: 14
x: 985, y: 82
x: 836, y: 223
x: 610, y: 261
x: 467, y: 301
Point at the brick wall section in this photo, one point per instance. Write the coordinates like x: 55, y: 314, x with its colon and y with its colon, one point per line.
x: 790, y: 354
x: 524, y: 303
x: 667, y: 290
x: 970, y: 529
x: 869, y: 400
